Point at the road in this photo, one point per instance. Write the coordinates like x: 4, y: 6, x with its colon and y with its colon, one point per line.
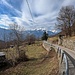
x: 71, y: 58
x: 68, y: 51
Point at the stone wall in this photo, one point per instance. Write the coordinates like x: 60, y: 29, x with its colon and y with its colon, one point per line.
x: 69, y: 44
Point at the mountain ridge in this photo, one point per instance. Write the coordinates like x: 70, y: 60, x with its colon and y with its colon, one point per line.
x: 5, y: 33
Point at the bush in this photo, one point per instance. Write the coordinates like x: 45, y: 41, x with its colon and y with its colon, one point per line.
x: 22, y: 56
x: 45, y: 36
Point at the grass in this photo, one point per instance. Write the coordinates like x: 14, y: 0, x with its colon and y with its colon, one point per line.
x: 53, y: 39
x: 71, y: 38
x: 39, y: 64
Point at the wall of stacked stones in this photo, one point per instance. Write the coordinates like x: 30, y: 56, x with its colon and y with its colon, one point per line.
x: 69, y: 44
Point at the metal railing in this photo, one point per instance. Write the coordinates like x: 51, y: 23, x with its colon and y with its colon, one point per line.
x: 61, y: 54
x: 64, y: 62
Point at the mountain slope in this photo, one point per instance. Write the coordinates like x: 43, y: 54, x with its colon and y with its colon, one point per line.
x: 5, y: 34
x: 39, y: 33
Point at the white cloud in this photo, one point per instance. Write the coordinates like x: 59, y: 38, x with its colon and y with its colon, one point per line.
x: 5, y: 20
x: 68, y: 2
x: 4, y: 2
x: 44, y: 13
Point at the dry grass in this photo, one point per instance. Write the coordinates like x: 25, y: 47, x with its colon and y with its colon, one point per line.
x: 71, y: 38
x: 53, y: 39
x: 39, y: 63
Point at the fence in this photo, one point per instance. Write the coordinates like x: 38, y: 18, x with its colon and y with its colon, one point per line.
x: 63, y: 61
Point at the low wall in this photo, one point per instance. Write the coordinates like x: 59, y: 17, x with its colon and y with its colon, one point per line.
x: 69, y: 44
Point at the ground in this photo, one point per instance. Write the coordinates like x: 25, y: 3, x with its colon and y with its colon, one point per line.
x: 40, y: 63
x: 71, y: 38
x: 53, y: 39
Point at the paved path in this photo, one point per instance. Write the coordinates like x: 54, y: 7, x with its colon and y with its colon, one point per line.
x: 70, y: 52
x: 71, y: 58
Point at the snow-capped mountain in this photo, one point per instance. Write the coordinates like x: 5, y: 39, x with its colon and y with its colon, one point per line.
x: 5, y: 33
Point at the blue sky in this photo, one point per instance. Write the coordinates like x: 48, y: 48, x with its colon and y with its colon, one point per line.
x: 44, y: 13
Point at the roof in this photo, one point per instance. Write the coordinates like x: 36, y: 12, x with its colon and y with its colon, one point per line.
x: 2, y: 54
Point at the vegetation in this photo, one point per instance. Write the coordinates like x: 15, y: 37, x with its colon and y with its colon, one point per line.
x: 39, y: 62
x: 53, y: 39
x: 16, y: 34
x: 30, y: 39
x: 66, y: 20
x: 45, y: 36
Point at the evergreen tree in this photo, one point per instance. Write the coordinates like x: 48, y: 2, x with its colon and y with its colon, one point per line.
x: 45, y: 36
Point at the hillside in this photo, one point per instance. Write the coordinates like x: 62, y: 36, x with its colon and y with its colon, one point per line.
x: 40, y: 63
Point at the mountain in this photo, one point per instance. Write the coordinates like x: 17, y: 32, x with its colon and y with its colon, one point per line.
x: 39, y: 33
x: 5, y: 33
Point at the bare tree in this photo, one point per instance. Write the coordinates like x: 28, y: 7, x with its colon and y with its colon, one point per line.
x: 66, y: 19
x: 73, y: 28
x: 30, y: 39
x: 17, y: 34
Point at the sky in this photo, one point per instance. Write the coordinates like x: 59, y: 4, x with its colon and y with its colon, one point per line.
x: 43, y: 13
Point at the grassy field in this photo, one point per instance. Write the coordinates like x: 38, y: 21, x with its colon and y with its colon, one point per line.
x: 53, y: 39
x: 40, y: 63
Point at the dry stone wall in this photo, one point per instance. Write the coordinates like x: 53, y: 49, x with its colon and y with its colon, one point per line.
x: 69, y: 44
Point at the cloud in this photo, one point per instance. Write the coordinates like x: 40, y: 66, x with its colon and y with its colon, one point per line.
x: 16, y: 4
x: 5, y: 20
x: 44, y: 13
x: 68, y: 2
x: 6, y: 7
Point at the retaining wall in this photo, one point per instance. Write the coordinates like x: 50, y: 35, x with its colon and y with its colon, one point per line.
x: 69, y: 44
